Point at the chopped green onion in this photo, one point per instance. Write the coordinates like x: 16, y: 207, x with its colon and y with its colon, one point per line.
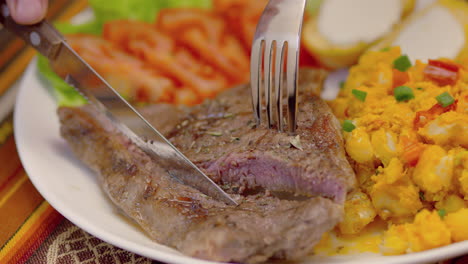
x: 342, y: 84
x: 385, y: 49
x: 402, y: 63
x: 403, y: 93
x: 361, y: 95
x: 445, y: 99
x: 442, y: 213
x: 420, y: 88
x: 348, y: 126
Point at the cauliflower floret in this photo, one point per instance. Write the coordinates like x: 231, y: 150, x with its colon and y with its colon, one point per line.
x: 384, y: 144
x: 358, y: 146
x: 426, y: 232
x: 393, y: 172
x: 461, y: 170
x: 456, y: 223
x: 359, y: 212
x: 463, y: 179
x: 450, y: 128
x: 393, y: 194
x: 433, y: 173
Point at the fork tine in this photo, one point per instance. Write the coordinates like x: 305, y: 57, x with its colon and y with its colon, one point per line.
x: 267, y: 69
x: 279, y: 69
x: 255, y: 71
x: 292, y: 82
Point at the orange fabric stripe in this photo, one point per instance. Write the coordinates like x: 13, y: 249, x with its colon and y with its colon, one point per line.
x: 11, y: 162
x: 10, y: 51
x: 34, y: 231
x: 16, y: 205
x: 13, y: 71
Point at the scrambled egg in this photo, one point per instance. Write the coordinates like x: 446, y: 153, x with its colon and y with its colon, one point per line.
x: 408, y: 147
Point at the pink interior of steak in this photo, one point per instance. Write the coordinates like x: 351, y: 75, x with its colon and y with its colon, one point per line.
x: 241, y: 172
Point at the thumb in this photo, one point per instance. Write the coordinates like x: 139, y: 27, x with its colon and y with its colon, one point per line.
x: 27, y: 11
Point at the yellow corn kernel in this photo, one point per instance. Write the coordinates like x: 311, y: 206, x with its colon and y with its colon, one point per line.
x: 461, y: 170
x: 358, y: 146
x: 428, y: 231
x: 384, y: 145
x: 463, y: 180
x: 450, y: 128
x: 359, y: 212
x: 434, y: 171
x: 456, y: 223
x: 451, y: 203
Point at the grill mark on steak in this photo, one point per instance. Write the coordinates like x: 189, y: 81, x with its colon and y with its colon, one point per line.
x: 260, y: 228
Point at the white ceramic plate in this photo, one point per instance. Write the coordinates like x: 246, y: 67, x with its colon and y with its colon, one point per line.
x: 73, y: 190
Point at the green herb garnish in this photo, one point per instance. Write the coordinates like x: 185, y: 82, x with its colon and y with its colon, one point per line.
x: 402, y: 63
x: 403, y: 93
x: 445, y: 99
x: 442, y: 213
x: 348, y: 126
x: 385, y: 49
x: 360, y: 95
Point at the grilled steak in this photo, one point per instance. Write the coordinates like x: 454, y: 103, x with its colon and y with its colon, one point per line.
x: 220, y: 137
x: 251, y: 163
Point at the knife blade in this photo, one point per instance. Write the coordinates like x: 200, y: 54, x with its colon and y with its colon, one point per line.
x: 76, y: 72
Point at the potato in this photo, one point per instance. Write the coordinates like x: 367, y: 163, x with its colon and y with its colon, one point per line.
x: 339, y: 44
x: 433, y: 32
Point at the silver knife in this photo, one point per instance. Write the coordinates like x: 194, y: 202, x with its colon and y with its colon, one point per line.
x: 76, y: 72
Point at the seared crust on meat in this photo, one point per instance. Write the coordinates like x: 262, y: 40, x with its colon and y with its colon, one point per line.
x: 260, y: 228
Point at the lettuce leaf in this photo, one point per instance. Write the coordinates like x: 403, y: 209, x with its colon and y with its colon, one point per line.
x: 64, y: 93
x: 104, y: 11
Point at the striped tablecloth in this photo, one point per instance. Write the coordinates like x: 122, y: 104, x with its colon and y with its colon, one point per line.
x: 31, y: 231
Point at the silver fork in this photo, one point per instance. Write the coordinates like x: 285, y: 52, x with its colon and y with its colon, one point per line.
x: 277, y: 39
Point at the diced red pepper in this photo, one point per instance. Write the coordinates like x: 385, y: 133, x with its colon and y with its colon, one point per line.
x: 424, y: 117
x: 399, y: 78
x: 442, y: 72
x: 412, y: 150
x: 451, y: 66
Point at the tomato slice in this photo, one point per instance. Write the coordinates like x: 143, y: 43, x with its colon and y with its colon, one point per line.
x: 442, y: 72
x: 242, y: 17
x: 207, y: 35
x: 163, y: 53
x: 127, y: 74
x: 424, y: 117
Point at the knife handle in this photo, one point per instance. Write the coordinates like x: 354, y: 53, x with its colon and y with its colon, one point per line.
x: 41, y: 36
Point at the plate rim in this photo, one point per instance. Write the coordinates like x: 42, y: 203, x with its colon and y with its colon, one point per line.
x: 449, y: 251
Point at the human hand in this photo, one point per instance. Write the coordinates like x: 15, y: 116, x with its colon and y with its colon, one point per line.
x: 27, y: 12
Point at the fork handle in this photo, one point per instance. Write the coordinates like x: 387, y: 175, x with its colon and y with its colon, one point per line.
x: 41, y: 36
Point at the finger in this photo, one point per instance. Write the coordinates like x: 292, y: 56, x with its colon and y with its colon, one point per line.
x: 27, y: 11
